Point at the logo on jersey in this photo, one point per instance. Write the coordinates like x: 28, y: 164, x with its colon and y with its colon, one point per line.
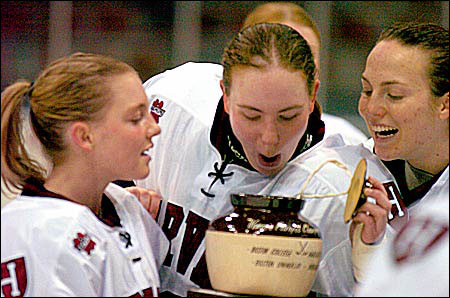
x: 398, y: 215
x: 84, y: 243
x: 157, y: 110
x: 14, y: 278
x: 417, y: 238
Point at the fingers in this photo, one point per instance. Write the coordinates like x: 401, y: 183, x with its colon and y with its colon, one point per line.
x: 378, y: 192
x: 149, y: 199
x: 155, y: 203
x: 374, y: 212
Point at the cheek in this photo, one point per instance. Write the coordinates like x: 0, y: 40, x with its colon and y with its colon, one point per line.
x: 127, y: 138
x: 419, y: 117
x: 292, y: 133
x: 242, y: 130
x: 362, y: 107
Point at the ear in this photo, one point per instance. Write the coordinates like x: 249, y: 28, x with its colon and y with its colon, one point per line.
x: 226, y: 100
x: 314, y: 95
x: 80, y: 135
x: 444, y: 107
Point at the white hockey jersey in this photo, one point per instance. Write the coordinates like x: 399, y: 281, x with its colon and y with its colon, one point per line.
x: 195, y: 185
x: 55, y: 247
x: 414, y: 263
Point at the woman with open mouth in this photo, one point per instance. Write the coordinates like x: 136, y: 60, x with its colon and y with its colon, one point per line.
x: 250, y: 125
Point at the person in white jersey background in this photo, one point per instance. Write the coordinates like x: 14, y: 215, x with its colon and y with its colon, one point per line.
x: 71, y: 232
x: 295, y: 16
x: 249, y: 126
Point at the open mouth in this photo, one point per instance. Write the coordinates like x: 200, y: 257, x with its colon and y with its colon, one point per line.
x: 384, y: 131
x: 269, y: 161
x: 146, y: 153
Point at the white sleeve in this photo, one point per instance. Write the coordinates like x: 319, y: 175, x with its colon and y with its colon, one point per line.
x: 76, y: 270
x: 77, y: 274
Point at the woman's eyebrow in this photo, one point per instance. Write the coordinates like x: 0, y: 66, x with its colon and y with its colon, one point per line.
x: 291, y: 108
x: 385, y: 83
x: 137, y: 107
x: 248, y: 107
x: 280, y: 111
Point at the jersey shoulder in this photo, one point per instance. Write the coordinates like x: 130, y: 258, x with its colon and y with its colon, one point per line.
x: 191, y: 88
x: 46, y: 225
x: 339, y: 125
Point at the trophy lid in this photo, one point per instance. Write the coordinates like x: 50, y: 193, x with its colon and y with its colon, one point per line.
x: 266, y: 202
x: 355, y: 190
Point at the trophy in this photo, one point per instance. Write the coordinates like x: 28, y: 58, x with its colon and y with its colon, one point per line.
x: 264, y: 247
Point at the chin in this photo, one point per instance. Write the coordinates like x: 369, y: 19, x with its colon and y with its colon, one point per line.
x: 144, y: 174
x: 140, y: 174
x: 386, y: 156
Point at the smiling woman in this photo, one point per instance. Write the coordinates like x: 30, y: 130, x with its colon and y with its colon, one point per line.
x: 405, y: 101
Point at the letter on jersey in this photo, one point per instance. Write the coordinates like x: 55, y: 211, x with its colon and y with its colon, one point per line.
x: 14, y: 278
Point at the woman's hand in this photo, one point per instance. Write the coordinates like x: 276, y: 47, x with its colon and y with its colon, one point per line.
x: 148, y: 198
x: 373, y: 213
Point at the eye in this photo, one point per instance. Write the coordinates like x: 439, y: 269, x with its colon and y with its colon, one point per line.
x: 393, y: 96
x: 366, y: 92
x: 288, y: 118
x: 251, y: 118
x: 137, y: 118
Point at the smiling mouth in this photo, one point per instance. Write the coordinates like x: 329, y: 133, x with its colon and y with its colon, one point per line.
x: 384, y: 131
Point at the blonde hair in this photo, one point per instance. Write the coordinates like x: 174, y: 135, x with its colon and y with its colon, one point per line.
x: 73, y: 88
x: 280, y: 12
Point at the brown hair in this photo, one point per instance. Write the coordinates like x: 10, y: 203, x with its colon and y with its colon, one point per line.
x: 281, y: 12
x: 73, y: 88
x: 431, y: 38
x: 265, y: 45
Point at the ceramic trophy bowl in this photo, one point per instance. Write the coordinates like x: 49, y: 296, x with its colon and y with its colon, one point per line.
x: 263, y: 248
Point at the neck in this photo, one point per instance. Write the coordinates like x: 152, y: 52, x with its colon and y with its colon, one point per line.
x: 77, y: 185
x: 435, y: 160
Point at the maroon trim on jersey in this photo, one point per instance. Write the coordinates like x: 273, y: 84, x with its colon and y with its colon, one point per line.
x: 420, y: 235
x: 397, y: 168
x: 34, y: 188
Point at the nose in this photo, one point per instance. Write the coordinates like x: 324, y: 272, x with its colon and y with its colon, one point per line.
x: 270, y: 134
x: 372, y: 107
x: 153, y: 128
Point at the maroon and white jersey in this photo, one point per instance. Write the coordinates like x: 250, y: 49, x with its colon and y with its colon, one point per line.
x: 416, y: 261
x: 195, y: 181
x: 55, y: 247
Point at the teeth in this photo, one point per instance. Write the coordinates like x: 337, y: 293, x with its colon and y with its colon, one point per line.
x: 380, y: 128
x: 384, y: 131
x: 146, y: 152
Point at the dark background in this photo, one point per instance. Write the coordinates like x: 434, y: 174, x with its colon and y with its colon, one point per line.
x: 154, y: 36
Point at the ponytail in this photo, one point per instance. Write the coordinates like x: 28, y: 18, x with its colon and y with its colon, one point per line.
x: 16, y: 164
